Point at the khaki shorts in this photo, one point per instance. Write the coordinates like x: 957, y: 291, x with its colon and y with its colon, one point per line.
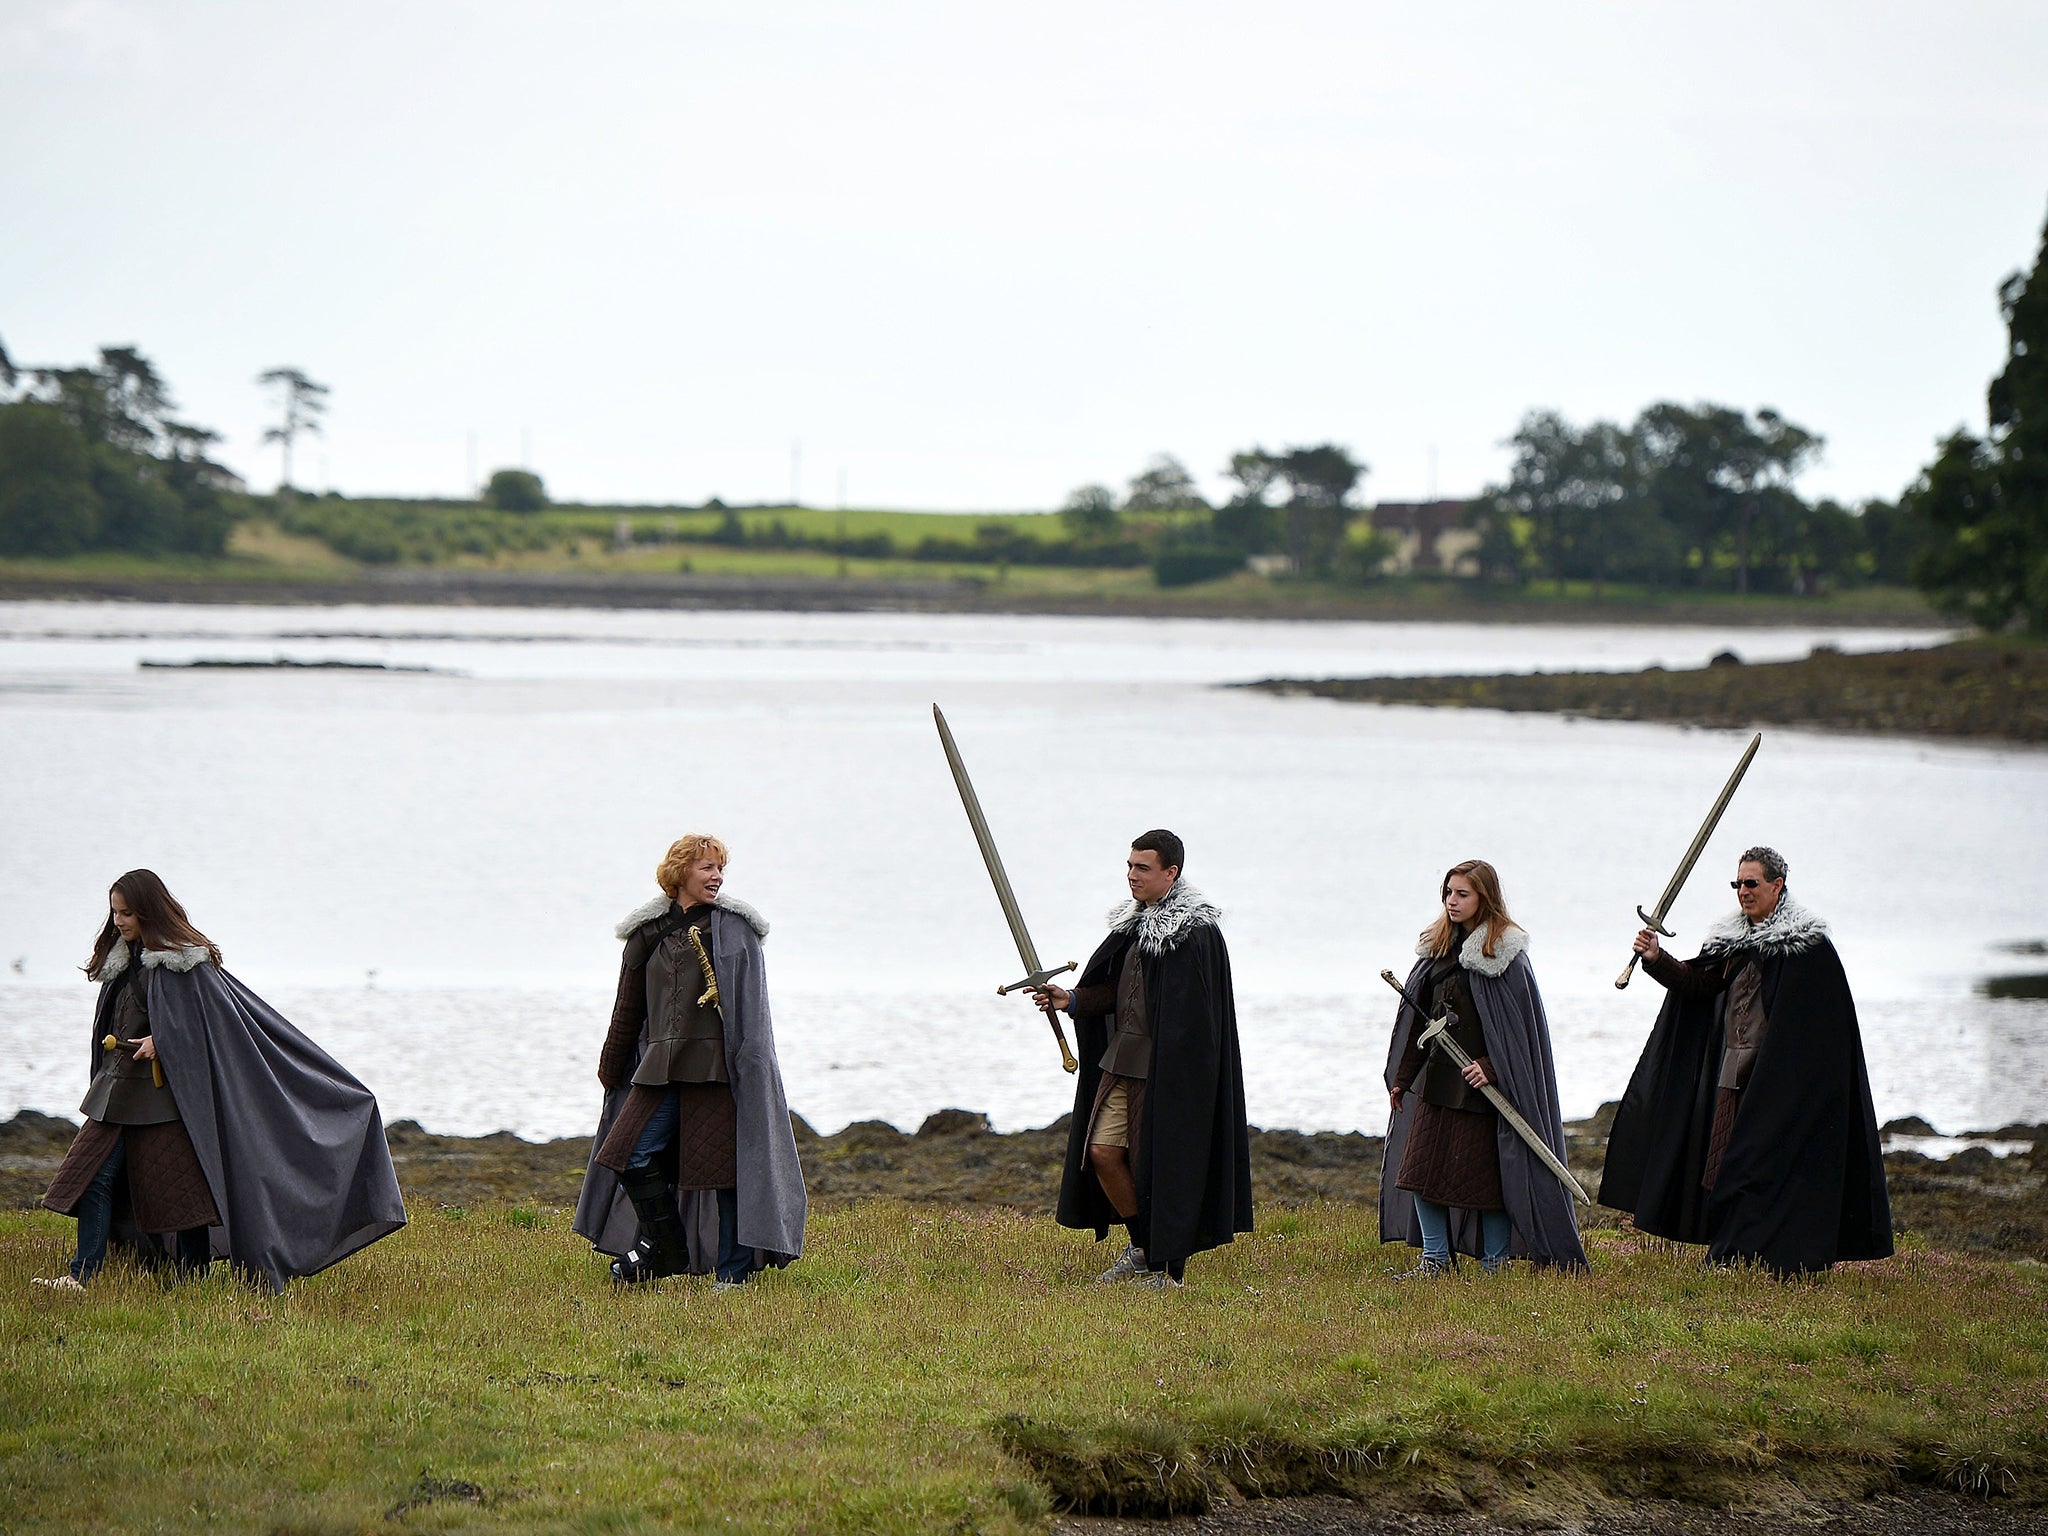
x: 1112, y: 1126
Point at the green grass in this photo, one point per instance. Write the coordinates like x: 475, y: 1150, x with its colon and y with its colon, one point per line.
x: 930, y: 1370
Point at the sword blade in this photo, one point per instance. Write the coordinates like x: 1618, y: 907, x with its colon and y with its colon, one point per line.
x: 1438, y: 1036
x: 1699, y: 842
x: 1005, y: 897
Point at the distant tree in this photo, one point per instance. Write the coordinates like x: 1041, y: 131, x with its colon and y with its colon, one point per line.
x: 516, y: 490
x: 1714, y: 474
x: 302, y: 403
x: 1892, y: 540
x: 1317, y: 512
x: 1248, y: 522
x: 1165, y: 486
x: 47, y: 502
x: 1983, y: 504
x: 1090, y: 514
x: 1580, y: 496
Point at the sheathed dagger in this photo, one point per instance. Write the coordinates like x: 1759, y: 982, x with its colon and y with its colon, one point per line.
x: 1655, y: 920
x: 1438, y: 1035
x: 1038, y: 975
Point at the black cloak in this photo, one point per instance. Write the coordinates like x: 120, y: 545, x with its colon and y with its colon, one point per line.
x: 1192, y: 1162
x: 1801, y: 1183
x: 1511, y: 1017
x: 292, y: 1145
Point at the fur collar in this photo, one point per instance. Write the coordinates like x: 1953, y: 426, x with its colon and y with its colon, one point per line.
x: 1790, y: 930
x: 181, y: 959
x: 1473, y: 956
x: 1167, y: 921
x: 658, y: 906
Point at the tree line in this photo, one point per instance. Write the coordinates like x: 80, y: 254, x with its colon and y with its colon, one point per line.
x: 1701, y: 496
x: 93, y: 456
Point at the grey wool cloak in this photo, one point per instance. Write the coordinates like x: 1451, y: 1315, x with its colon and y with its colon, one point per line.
x: 772, y: 1200
x: 1546, y: 1229
x: 291, y: 1144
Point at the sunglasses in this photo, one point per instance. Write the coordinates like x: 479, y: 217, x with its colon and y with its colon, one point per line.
x: 1745, y: 885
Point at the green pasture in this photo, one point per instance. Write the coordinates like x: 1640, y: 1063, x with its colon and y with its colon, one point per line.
x: 932, y: 1370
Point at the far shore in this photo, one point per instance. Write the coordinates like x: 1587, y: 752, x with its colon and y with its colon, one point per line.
x: 1241, y: 597
x: 1984, y: 689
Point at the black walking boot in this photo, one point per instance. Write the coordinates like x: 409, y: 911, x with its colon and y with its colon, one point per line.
x: 661, y: 1248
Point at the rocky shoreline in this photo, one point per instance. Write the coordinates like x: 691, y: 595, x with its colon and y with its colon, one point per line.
x: 1984, y: 689
x: 1974, y: 1201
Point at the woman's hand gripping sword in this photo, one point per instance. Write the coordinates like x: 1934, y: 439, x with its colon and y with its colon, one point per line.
x: 1437, y: 1035
x: 134, y: 1048
x: 1037, y: 975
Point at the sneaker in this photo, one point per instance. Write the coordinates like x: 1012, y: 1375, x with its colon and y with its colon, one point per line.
x: 1156, y: 1280
x: 1129, y: 1264
x: 1429, y: 1269
x: 61, y: 1283
x: 728, y: 1285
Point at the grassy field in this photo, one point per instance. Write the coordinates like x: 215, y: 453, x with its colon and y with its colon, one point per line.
x: 935, y: 1370
x: 266, y: 564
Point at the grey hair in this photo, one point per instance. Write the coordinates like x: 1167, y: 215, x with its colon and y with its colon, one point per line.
x: 1775, y: 867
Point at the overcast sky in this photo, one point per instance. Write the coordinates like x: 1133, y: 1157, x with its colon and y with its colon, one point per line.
x: 970, y: 256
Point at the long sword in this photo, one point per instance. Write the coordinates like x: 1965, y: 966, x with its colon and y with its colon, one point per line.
x: 1438, y: 1034
x: 1005, y: 897
x: 1655, y: 920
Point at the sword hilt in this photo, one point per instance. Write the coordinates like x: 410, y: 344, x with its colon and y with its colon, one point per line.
x: 1033, y: 982
x: 1036, y: 979
x: 1621, y: 982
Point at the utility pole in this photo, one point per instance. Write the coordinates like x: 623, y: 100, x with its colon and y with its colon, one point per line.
x: 842, y: 521
x: 796, y: 467
x: 472, y: 490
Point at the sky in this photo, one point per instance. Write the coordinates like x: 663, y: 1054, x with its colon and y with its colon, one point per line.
x: 969, y: 257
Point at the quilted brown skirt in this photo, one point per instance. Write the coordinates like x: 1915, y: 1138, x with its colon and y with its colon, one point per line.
x: 706, y: 1145
x: 167, y: 1189
x: 1453, y: 1157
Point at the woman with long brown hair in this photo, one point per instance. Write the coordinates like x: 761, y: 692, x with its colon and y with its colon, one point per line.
x: 1455, y: 1177
x: 212, y: 1126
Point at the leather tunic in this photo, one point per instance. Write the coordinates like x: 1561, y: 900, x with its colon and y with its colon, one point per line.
x: 125, y: 1091
x: 1433, y: 1075
x: 1129, y: 1053
x: 685, y: 1038
x: 1743, y: 1025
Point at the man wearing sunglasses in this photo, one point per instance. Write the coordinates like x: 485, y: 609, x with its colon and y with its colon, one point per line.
x: 1748, y: 1125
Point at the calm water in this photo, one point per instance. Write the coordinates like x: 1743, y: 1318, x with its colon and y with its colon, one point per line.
x: 424, y: 868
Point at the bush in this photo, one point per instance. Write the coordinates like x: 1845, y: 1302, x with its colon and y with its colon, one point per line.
x: 516, y: 490
x: 47, y: 502
x: 1187, y: 567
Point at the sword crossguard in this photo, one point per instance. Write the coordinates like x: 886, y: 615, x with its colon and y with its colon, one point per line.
x: 1653, y: 925
x: 1036, y: 979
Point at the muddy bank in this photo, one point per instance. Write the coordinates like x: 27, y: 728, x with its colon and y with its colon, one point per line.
x: 1917, y: 1513
x: 1974, y: 1201
x: 1982, y: 689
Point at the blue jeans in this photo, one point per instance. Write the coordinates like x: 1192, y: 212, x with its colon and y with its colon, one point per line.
x: 1494, y: 1228
x: 96, y: 1221
x: 735, y: 1264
